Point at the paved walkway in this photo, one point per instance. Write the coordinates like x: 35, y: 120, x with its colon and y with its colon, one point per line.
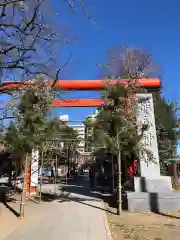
x: 8, y: 222
x: 78, y: 215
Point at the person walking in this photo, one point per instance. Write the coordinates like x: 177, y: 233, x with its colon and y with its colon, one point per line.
x: 134, y: 168
x: 131, y: 173
x: 91, y: 177
x: 52, y: 174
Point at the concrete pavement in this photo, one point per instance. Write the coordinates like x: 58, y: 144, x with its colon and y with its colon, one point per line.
x: 8, y: 222
x: 75, y: 215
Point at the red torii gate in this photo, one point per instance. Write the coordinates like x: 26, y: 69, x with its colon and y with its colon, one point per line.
x: 83, y: 85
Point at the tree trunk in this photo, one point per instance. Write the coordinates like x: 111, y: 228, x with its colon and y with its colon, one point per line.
x: 10, y: 166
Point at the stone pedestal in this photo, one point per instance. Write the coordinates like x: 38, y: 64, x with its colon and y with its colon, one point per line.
x: 154, y: 202
x: 161, y: 184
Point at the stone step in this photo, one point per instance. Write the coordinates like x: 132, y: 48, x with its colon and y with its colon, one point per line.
x: 159, y: 184
x: 154, y: 202
x: 144, y: 195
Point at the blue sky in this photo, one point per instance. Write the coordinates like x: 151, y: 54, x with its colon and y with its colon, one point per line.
x: 151, y: 25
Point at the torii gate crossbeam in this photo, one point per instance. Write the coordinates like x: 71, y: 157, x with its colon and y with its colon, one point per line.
x: 82, y: 85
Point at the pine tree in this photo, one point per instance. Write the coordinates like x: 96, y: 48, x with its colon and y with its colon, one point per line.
x: 116, y: 128
x: 31, y: 128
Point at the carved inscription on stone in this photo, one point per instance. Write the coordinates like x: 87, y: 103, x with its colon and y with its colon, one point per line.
x: 145, y: 110
x: 147, y: 139
x: 148, y: 145
x: 144, y: 106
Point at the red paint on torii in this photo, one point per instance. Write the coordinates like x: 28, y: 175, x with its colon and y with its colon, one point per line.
x: 95, y: 102
x: 83, y: 85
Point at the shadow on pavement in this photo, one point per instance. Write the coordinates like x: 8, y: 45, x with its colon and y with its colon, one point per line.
x: 168, y: 215
x: 11, y: 209
x: 6, y: 198
x: 78, y: 191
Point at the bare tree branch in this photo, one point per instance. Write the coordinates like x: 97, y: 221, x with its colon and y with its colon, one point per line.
x: 60, y: 69
x: 128, y: 63
x: 25, y: 37
x: 79, y: 4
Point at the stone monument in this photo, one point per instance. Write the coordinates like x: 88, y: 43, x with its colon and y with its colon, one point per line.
x: 152, y: 192
x: 149, y: 163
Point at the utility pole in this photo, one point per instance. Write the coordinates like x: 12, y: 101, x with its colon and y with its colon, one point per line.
x: 119, y: 195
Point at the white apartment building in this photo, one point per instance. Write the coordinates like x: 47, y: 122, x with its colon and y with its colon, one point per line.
x: 94, y: 115
x: 89, y: 132
x: 80, y: 128
x: 64, y: 118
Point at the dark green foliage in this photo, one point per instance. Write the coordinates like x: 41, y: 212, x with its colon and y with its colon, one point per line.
x: 27, y: 131
x: 165, y: 125
x: 57, y: 130
x: 114, y: 127
x: 115, y: 120
x: 130, y: 64
x: 110, y: 122
x: 32, y: 128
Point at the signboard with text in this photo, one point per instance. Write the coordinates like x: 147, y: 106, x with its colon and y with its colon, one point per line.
x: 34, y: 168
